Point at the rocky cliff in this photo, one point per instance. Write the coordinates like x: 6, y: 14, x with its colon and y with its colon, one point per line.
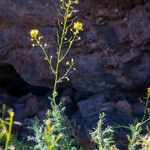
x: 112, y: 59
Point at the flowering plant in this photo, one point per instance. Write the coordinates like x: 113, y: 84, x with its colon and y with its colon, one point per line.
x: 67, y: 26
x: 66, y: 23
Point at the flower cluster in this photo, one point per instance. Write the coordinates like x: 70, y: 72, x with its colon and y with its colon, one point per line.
x: 11, y: 113
x: 36, y: 39
x: 33, y: 34
x: 77, y: 27
x: 148, y: 91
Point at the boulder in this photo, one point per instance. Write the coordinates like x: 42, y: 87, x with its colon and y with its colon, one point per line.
x: 91, y: 106
x: 115, y: 43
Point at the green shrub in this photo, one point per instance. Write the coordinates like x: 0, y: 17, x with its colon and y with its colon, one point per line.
x: 43, y: 135
x: 62, y: 125
x: 6, y: 128
x: 103, y: 138
x: 136, y: 136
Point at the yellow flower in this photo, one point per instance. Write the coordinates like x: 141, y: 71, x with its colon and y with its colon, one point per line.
x: 67, y: 63
x: 148, y: 91
x: 11, y: 113
x: 34, y: 33
x: 78, y: 26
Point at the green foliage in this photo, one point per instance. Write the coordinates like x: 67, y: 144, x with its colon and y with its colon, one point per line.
x: 135, y: 136
x: 6, y: 128
x: 134, y: 139
x: 54, y: 133
x: 44, y: 136
x: 62, y: 126
x: 37, y: 137
x: 103, y: 138
x: 3, y: 111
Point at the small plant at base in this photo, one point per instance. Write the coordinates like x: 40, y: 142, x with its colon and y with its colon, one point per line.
x: 146, y: 104
x: 3, y: 111
x: 103, y: 137
x: 62, y: 125
x: 6, y: 128
x: 44, y: 136
x: 137, y: 128
x: 135, y: 136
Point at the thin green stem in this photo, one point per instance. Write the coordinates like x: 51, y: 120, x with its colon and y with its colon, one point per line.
x: 59, y: 53
x: 70, y: 45
x: 120, y: 126
x: 65, y: 75
x: 146, y: 106
x: 8, y: 135
x: 100, y: 133
x: 145, y: 121
x: 46, y: 56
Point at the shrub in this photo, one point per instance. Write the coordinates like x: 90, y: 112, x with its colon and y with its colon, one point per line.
x: 103, y: 138
x: 44, y: 136
x: 136, y: 136
x: 6, y: 128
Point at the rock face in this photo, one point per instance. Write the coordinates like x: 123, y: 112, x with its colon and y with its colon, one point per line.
x: 115, y: 43
x: 112, y: 59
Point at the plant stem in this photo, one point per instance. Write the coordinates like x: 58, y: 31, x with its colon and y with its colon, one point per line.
x: 100, y: 133
x: 145, y: 110
x: 8, y: 135
x: 59, y: 54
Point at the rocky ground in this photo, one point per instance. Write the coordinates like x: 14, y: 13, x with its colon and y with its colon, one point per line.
x: 112, y: 61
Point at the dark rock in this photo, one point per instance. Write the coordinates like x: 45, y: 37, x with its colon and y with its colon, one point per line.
x: 2, y: 91
x: 125, y: 107
x: 91, y: 106
x: 114, y: 115
x: 113, y: 55
x: 43, y: 105
x: 86, y: 143
x: 31, y: 107
x: 138, y: 109
x: 41, y: 115
x: 19, y: 106
x: 121, y: 139
x: 7, y: 99
x: 68, y: 92
x: 26, y: 106
x: 116, y: 53
x: 69, y: 104
x: 20, y: 115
